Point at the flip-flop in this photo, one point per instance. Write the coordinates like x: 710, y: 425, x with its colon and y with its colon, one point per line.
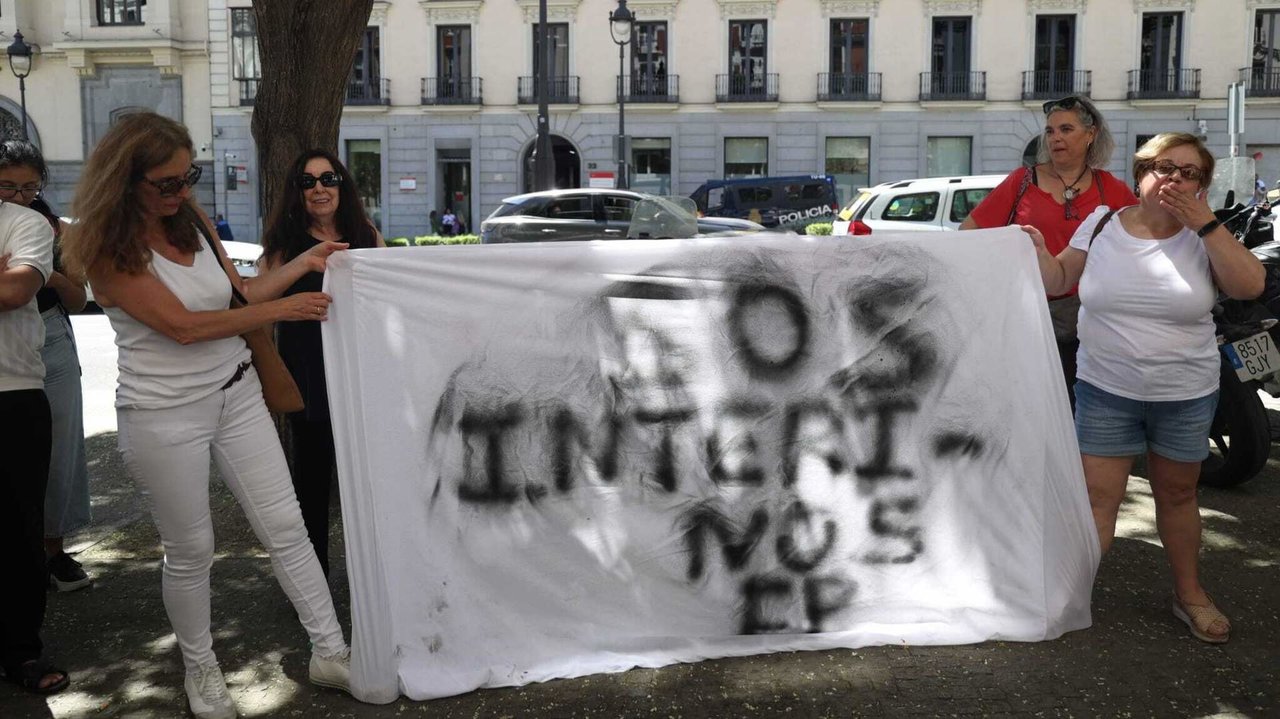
x: 1199, y: 618
x: 29, y: 674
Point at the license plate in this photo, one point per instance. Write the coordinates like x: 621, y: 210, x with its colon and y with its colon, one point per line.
x: 1253, y: 357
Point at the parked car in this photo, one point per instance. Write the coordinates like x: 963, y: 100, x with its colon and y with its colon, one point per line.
x: 244, y: 255
x: 589, y: 214
x: 788, y: 202
x: 931, y: 204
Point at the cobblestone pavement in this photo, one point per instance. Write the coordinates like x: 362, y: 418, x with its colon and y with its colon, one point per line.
x: 1136, y: 660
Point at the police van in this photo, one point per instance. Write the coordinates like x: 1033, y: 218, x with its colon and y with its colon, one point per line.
x: 792, y: 202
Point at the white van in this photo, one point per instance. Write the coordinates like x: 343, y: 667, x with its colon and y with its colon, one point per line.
x: 931, y: 204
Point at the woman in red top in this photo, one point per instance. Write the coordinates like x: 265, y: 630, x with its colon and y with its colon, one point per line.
x: 1055, y: 195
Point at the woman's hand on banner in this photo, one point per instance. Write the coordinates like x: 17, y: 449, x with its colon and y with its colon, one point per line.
x: 316, y: 257
x: 305, y: 306
x: 1037, y: 238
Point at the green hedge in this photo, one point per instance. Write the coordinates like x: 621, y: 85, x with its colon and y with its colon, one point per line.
x: 818, y: 228
x: 439, y: 240
x: 396, y: 241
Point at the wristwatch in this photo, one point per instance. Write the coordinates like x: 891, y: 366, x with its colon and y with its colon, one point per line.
x: 1209, y: 227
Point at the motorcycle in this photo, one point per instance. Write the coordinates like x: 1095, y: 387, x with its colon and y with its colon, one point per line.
x: 1248, y: 333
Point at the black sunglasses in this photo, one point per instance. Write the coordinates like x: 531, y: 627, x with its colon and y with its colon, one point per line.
x: 169, y: 186
x: 327, y: 179
x: 1070, y: 102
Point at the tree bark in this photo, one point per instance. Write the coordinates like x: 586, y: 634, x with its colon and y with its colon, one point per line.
x: 307, y: 48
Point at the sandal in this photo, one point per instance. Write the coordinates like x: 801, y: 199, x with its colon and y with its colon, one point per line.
x: 28, y: 676
x: 1200, y: 618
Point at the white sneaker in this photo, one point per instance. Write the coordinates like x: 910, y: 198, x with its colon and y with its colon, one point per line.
x: 332, y: 671
x: 207, y: 694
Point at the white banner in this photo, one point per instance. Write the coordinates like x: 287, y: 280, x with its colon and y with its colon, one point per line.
x: 563, y: 459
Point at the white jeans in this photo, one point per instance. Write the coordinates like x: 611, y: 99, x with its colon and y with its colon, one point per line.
x: 167, y: 451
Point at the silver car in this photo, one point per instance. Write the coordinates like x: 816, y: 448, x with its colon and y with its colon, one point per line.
x: 597, y: 214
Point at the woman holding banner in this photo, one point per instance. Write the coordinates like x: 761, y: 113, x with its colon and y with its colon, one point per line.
x: 319, y: 206
x: 188, y: 391
x: 1055, y: 195
x: 1149, y: 362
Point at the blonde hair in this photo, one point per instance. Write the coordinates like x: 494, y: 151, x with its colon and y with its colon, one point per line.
x: 1152, y: 148
x: 106, y: 207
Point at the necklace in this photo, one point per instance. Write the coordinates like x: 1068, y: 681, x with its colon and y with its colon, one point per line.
x: 1069, y: 192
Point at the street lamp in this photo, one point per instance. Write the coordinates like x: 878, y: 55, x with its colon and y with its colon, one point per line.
x: 20, y: 63
x: 544, y: 169
x: 621, y: 21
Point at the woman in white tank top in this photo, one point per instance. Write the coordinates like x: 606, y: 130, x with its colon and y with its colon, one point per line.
x: 187, y: 390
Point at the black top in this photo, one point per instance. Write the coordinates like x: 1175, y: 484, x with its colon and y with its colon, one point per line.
x: 302, y: 351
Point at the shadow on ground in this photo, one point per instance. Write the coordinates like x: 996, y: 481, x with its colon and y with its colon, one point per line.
x: 1135, y: 661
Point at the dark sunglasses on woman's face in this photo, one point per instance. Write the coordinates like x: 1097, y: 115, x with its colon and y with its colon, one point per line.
x: 1165, y: 168
x: 10, y: 190
x: 169, y: 186
x: 328, y: 179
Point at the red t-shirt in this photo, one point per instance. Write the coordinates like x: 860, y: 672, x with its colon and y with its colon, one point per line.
x: 1039, y: 209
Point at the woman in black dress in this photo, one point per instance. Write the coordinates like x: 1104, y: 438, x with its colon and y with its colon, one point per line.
x: 319, y: 204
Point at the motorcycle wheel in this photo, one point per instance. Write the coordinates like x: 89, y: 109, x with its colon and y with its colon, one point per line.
x: 1240, y: 438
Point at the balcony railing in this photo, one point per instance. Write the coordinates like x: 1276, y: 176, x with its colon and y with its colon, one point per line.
x: 452, y: 91
x: 1261, y: 82
x: 1172, y: 84
x: 649, y: 88
x: 760, y: 87
x: 374, y: 92
x: 848, y: 87
x: 967, y: 85
x: 1053, y: 84
x: 563, y: 90
x: 248, y: 90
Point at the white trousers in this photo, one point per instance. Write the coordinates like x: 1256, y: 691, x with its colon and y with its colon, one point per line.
x: 167, y: 451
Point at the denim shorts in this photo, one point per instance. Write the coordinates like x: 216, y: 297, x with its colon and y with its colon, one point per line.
x: 1108, y: 425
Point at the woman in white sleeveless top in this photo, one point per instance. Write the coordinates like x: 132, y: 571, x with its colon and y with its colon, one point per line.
x: 187, y: 391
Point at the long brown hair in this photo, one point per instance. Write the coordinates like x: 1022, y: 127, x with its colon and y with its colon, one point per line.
x: 108, y: 215
x: 286, y: 236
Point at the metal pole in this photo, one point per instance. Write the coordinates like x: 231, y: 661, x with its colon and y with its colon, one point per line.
x: 623, y: 181
x: 22, y: 93
x: 544, y: 171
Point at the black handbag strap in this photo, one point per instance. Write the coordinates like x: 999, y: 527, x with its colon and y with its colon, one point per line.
x: 1101, y: 223
x: 208, y: 238
x: 1028, y: 176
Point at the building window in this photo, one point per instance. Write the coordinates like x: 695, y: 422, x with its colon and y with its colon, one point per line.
x: 651, y: 165
x: 949, y: 156
x: 1266, y: 53
x: 559, y: 34
x: 849, y: 161
x: 649, y: 62
x: 120, y: 12
x: 1161, y: 48
x: 747, y: 56
x: 453, y: 60
x: 364, y: 161
x: 365, y: 85
x: 1055, y: 58
x: 746, y: 157
x: 849, y: 47
x: 246, y: 68
x: 949, y: 59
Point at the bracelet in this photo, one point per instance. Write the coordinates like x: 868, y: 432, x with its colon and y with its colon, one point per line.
x: 1209, y: 227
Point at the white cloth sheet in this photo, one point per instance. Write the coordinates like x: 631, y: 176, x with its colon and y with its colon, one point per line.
x: 563, y: 459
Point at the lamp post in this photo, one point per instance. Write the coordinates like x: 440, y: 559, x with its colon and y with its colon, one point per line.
x: 544, y: 169
x: 20, y: 63
x: 621, y: 21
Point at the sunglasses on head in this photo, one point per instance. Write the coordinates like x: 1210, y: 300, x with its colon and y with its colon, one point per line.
x: 169, y: 186
x: 327, y: 179
x: 1164, y: 168
x: 1070, y: 102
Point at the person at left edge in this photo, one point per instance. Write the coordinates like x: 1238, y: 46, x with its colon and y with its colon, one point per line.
x: 26, y: 260
x: 318, y: 206
x: 188, y: 392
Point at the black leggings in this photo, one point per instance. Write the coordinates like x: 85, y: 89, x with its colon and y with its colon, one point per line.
x: 313, y: 479
x: 25, y: 444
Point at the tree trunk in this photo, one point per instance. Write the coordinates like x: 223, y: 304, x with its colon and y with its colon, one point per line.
x: 307, y: 48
